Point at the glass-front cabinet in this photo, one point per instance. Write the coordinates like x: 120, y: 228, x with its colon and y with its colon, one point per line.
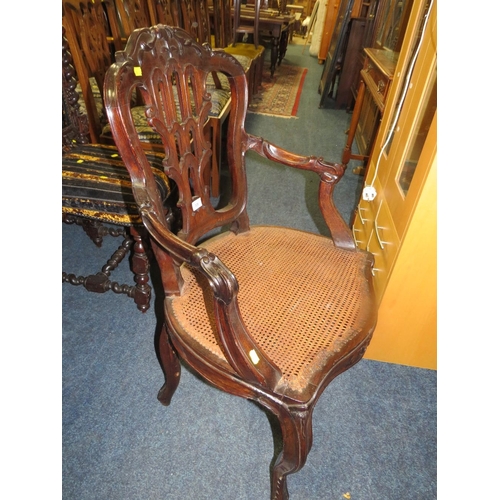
x: 408, y: 133
x: 396, y: 215
x: 394, y: 18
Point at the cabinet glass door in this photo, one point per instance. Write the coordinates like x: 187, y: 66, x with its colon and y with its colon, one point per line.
x: 392, y: 24
x: 405, y: 160
x: 408, y: 71
x: 419, y: 135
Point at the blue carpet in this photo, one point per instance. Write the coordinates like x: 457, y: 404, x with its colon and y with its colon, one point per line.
x: 374, y: 427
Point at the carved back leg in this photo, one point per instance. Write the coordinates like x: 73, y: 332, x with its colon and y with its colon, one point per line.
x: 170, y: 365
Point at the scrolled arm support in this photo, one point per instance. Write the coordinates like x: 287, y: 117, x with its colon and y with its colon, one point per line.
x: 238, y: 346
x: 329, y: 173
x: 221, y: 280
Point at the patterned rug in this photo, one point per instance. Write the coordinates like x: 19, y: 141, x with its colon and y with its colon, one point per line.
x: 279, y: 95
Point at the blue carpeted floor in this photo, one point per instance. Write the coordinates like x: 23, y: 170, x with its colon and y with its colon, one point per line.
x: 374, y: 427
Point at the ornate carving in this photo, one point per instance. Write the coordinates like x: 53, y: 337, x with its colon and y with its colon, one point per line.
x: 222, y: 281
x: 329, y: 172
x: 174, y: 89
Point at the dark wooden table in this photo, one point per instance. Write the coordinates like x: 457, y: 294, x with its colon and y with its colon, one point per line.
x: 273, y: 27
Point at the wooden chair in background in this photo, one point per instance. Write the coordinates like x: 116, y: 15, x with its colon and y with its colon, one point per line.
x: 195, y: 20
x: 91, y: 41
x: 231, y: 16
x: 97, y: 195
x: 134, y: 14
x: 166, y: 12
x: 267, y: 313
x: 92, y: 27
x: 88, y: 34
x: 240, y: 28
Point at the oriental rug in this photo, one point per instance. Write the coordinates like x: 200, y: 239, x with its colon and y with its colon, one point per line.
x: 280, y: 94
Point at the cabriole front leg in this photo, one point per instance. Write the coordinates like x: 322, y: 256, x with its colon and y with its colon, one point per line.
x: 296, y: 428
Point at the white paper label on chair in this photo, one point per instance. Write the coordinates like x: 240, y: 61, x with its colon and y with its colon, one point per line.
x: 254, y: 356
x: 196, y: 204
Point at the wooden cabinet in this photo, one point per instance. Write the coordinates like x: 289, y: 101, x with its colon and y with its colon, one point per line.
x: 376, y: 78
x: 398, y: 224
x: 385, y: 32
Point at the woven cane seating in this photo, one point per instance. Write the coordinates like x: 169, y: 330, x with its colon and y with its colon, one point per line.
x: 267, y: 313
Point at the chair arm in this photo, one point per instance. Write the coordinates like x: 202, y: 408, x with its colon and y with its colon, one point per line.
x: 329, y: 173
x: 238, y: 346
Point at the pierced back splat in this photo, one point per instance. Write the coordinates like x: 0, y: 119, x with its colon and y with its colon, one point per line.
x: 174, y: 90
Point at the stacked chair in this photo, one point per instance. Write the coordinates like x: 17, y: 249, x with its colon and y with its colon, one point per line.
x: 97, y: 195
x: 231, y: 29
x: 95, y: 29
x: 165, y: 12
x: 267, y: 313
x: 133, y: 14
x: 195, y: 20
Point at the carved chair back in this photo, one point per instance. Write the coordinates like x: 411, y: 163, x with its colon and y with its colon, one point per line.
x: 195, y: 19
x: 174, y: 89
x: 222, y: 23
x: 75, y: 128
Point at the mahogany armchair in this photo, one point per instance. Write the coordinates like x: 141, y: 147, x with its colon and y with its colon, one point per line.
x: 267, y: 313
